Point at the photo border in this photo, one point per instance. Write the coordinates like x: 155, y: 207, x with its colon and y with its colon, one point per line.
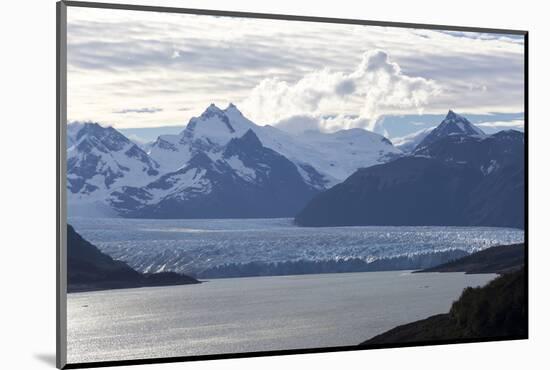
x: 61, y: 170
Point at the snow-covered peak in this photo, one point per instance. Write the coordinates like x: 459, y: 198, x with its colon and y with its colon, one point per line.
x: 452, y: 115
x: 87, y: 135
x: 211, y: 127
x: 335, y: 155
x: 341, y: 153
x: 209, y: 132
x: 99, y: 160
x: 212, y: 110
x: 456, y: 123
x: 232, y: 108
x: 453, y: 124
x: 221, y: 124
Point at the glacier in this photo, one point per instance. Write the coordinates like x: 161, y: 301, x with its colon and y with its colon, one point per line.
x: 217, y: 248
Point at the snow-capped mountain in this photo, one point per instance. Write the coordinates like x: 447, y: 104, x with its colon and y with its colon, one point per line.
x: 212, y: 130
x: 336, y: 154
x: 100, y: 159
x: 217, y: 151
x: 323, y: 159
x: 208, y: 133
x: 243, y: 179
x: 453, y: 124
x: 72, y: 131
x: 461, y: 180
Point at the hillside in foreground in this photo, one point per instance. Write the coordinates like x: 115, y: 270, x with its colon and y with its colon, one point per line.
x: 90, y: 269
x: 495, y: 311
x: 499, y: 260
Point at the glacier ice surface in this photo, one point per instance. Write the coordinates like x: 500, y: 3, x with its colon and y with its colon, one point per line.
x: 193, y: 246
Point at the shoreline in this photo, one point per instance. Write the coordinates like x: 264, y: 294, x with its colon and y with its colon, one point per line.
x: 508, y: 261
x: 262, y: 314
x: 474, y: 315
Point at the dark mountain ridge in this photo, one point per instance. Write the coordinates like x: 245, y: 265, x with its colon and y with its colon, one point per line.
x: 456, y: 180
x: 499, y: 259
x: 453, y: 124
x: 90, y: 269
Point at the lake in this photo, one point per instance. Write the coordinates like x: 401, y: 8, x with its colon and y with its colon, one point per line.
x: 224, y: 316
x: 248, y: 247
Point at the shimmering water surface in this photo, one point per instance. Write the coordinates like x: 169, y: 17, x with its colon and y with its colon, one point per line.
x: 254, y: 314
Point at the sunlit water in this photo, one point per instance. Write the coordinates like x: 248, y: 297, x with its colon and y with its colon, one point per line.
x: 254, y: 314
x: 197, y: 246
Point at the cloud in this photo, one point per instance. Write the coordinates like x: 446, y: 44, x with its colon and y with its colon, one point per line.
x: 139, y: 110
x: 495, y: 126
x: 176, y: 54
x: 142, y: 59
x: 492, y: 127
x: 413, y: 138
x: 326, y: 123
x: 377, y: 85
x: 510, y: 124
x: 299, y: 124
x: 485, y: 36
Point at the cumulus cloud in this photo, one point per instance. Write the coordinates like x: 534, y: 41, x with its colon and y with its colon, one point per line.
x: 299, y: 124
x: 377, y: 85
x: 328, y: 123
x: 139, y: 59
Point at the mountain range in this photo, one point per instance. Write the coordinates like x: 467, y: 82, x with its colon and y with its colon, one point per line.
x: 455, y: 176
x: 222, y: 165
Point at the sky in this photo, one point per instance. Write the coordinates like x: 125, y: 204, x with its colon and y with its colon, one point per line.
x: 144, y: 71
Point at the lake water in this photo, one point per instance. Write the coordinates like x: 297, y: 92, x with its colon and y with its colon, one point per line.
x: 199, y: 247
x: 254, y: 314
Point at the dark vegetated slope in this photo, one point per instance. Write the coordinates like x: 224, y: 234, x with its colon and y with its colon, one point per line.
x: 495, y: 311
x: 499, y: 259
x: 90, y: 269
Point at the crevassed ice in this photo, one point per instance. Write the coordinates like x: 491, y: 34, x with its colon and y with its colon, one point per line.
x: 192, y: 246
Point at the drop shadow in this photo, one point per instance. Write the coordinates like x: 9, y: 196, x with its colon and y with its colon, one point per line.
x: 46, y: 358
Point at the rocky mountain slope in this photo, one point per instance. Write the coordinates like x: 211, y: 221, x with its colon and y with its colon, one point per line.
x: 458, y: 179
x: 221, y: 165
x: 90, y: 269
